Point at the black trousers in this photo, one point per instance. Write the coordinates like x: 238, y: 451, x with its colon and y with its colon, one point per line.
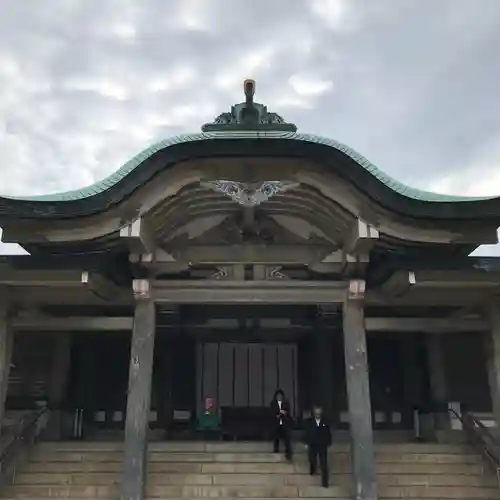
x: 320, y: 455
x: 282, y: 433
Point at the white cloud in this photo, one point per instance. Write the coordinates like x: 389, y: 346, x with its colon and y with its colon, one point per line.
x: 193, y: 15
x: 124, y: 31
x: 175, y: 79
x: 330, y: 12
x: 104, y: 87
x: 309, y: 85
x: 249, y: 65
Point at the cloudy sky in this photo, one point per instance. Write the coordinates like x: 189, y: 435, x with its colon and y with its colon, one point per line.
x: 413, y: 85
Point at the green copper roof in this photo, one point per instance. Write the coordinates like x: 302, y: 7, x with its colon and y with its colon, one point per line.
x: 263, y: 135
x: 246, y: 120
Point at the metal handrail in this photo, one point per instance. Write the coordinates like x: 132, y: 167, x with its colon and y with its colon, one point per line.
x: 19, y: 442
x: 482, y: 438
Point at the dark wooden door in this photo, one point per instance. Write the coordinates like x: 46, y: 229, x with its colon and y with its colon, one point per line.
x: 246, y: 374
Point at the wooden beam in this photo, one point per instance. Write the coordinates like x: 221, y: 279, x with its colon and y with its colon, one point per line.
x: 326, y: 268
x: 41, y: 278
x: 358, y: 393
x: 426, y: 325
x: 37, y: 323
x: 361, y: 238
x: 249, y: 292
x: 465, y: 312
x: 138, y: 237
x: 39, y: 296
x: 139, y: 394
x: 43, y: 323
x: 428, y: 297
x: 468, y: 279
x: 249, y: 254
x: 399, y: 283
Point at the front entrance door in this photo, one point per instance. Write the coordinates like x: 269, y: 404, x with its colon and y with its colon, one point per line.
x: 245, y: 375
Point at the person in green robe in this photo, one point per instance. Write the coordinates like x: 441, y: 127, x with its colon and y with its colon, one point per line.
x: 208, y: 421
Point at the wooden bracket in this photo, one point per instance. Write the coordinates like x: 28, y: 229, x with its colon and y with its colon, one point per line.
x: 138, y: 237
x: 361, y: 238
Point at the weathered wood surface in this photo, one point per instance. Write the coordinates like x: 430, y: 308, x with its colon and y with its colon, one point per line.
x: 138, y: 402
x: 358, y: 395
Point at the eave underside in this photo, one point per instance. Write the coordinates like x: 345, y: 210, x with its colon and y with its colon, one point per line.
x: 178, y: 208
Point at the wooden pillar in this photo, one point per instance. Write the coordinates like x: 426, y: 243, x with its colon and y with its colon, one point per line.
x: 139, y: 394
x: 412, y: 376
x: 358, y: 393
x: 58, y: 382
x: 6, y: 346
x: 323, y: 379
x: 492, y: 346
x: 437, y: 379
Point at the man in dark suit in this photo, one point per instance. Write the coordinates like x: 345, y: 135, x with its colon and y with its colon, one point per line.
x: 282, y: 423
x: 318, y: 439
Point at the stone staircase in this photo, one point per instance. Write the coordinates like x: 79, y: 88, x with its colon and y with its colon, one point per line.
x: 192, y: 470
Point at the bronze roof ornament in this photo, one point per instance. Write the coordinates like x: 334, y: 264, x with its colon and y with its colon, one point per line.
x: 249, y: 115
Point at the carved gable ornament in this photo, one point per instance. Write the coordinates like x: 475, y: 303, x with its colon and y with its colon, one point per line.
x: 249, y: 115
x: 250, y: 194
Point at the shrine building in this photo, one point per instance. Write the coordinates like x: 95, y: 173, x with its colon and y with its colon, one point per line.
x: 244, y: 258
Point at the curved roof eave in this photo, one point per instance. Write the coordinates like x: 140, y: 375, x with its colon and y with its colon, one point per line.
x: 44, y: 206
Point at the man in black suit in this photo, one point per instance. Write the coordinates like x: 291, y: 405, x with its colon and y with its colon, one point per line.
x: 282, y: 423
x: 318, y: 439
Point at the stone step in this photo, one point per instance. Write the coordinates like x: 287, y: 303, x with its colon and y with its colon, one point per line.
x: 171, y: 491
x: 345, y: 467
x: 193, y: 470
x: 249, y: 468
x: 250, y: 479
x: 438, y: 493
x: 248, y: 447
x: 385, y: 492
x: 206, y: 457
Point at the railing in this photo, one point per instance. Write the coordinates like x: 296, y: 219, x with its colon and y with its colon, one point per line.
x: 481, y: 437
x: 18, y: 441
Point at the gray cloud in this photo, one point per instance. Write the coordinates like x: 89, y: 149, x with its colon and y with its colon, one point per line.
x: 411, y: 85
